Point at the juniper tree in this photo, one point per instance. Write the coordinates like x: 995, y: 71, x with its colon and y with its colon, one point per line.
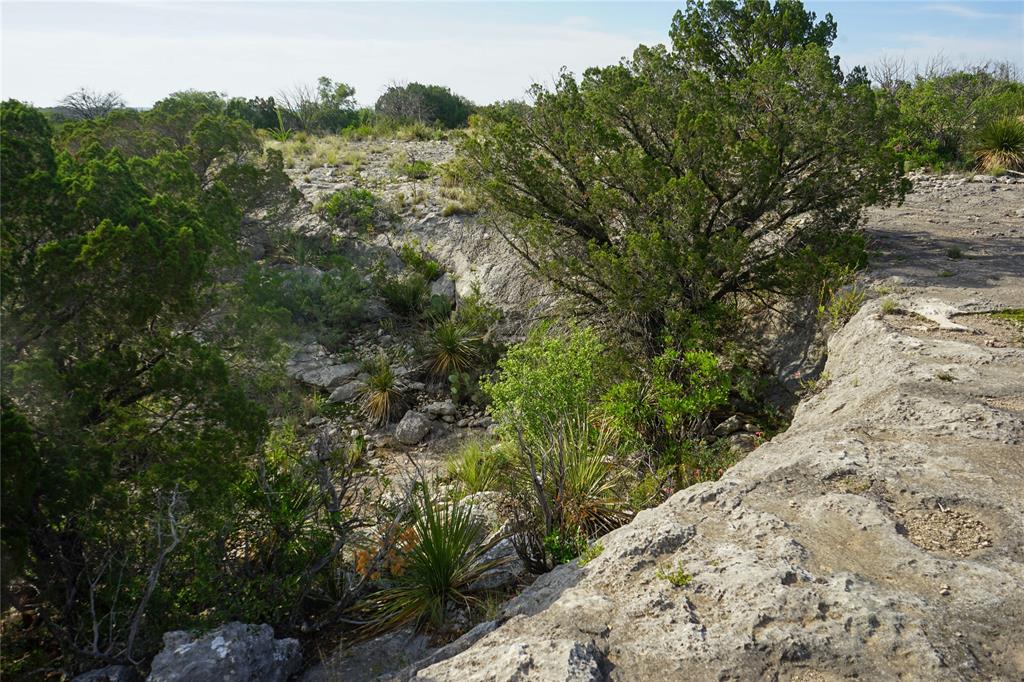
x: 669, y: 191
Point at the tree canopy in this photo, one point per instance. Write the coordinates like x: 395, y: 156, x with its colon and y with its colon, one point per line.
x: 123, y: 416
x: 429, y: 104
x: 672, y: 188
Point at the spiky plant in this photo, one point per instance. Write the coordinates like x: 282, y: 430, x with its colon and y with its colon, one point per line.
x: 451, y: 347
x: 1000, y: 145
x: 592, y: 500
x: 475, y: 467
x: 438, y: 568
x: 567, y: 489
x: 381, y: 396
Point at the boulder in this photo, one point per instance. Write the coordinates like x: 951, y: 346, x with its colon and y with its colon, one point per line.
x: 346, y: 392
x: 504, y: 575
x: 331, y: 376
x: 743, y: 442
x: 235, y: 652
x: 443, y: 286
x: 413, y: 428
x: 442, y: 408
x: 730, y: 425
x: 383, y: 654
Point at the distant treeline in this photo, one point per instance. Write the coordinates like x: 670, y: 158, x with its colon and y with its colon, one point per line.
x: 327, y: 107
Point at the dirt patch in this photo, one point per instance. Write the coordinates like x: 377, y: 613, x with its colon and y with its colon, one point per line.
x: 945, y: 530
x: 850, y: 485
x: 998, y: 332
x: 982, y: 329
x: 1011, y: 403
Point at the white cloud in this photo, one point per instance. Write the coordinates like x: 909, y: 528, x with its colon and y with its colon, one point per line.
x: 484, y: 61
x: 967, y: 12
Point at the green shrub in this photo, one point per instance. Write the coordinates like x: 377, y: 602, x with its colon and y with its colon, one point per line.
x: 420, y: 261
x: 565, y: 488
x: 678, y: 577
x: 940, y: 112
x: 551, y: 376
x: 475, y: 467
x: 651, y: 206
x: 437, y: 569
x: 424, y: 104
x: 355, y: 209
x: 407, y: 294
x: 840, y: 299
x: 592, y: 551
x: 1000, y: 145
x: 332, y: 302
x: 668, y: 401
x: 404, y: 164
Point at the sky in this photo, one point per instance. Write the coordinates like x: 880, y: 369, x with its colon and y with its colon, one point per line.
x: 487, y: 51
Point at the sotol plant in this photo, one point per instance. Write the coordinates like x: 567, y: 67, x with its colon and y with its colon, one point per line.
x: 381, y: 396
x: 451, y: 348
x: 441, y: 564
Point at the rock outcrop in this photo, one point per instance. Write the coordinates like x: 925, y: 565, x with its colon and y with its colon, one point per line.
x: 232, y: 653
x: 880, y: 537
x: 472, y: 251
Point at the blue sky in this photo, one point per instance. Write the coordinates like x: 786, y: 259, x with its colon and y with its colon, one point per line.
x: 484, y: 50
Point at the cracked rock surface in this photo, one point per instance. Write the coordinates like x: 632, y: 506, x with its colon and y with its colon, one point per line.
x: 880, y: 537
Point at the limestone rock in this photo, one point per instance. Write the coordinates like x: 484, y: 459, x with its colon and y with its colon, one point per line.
x: 504, y: 575
x: 443, y: 286
x: 413, y: 428
x: 444, y: 408
x: 235, y: 652
x: 347, y: 392
x: 879, y: 537
x: 729, y: 426
x: 560, y: 660
x: 322, y: 374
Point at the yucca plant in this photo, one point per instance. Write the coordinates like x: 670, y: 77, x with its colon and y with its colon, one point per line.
x: 281, y: 133
x: 451, y: 348
x: 381, y: 396
x: 1000, y: 145
x: 475, y: 467
x: 438, y: 569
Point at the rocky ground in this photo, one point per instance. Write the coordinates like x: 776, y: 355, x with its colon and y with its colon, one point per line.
x: 433, y: 212
x: 880, y: 537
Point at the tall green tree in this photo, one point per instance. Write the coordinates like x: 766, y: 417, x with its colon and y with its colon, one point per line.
x: 669, y: 192
x: 124, y: 421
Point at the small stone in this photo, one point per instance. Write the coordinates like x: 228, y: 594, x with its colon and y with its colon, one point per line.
x: 729, y: 426
x: 444, y: 408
